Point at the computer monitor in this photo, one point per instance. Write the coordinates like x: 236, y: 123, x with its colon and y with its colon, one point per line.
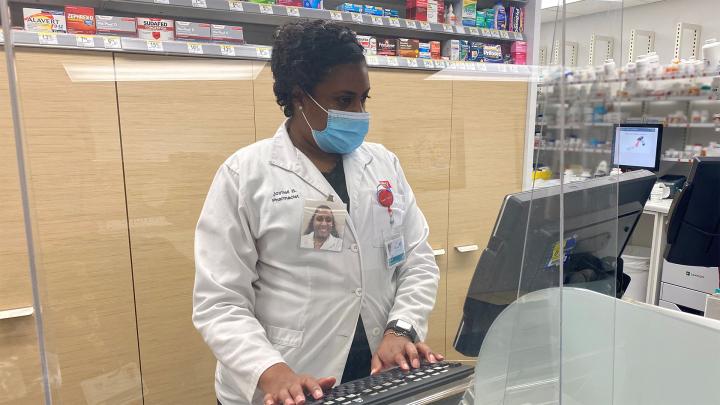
x: 637, y: 146
x: 600, y: 215
x: 693, y: 234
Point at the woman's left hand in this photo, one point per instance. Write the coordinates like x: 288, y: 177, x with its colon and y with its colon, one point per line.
x: 400, y: 351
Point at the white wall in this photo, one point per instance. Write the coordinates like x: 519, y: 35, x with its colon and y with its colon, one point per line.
x: 660, y: 17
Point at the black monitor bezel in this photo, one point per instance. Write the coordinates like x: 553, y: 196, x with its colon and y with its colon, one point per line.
x: 658, y: 149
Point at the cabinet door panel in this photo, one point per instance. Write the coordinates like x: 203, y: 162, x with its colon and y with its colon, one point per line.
x: 80, y: 224
x: 411, y: 117
x: 172, y: 147
x: 488, y: 139
x: 268, y: 114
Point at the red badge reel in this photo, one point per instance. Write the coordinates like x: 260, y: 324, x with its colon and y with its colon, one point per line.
x: 385, y: 198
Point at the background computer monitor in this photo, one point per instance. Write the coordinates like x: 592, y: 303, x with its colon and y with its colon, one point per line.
x: 637, y: 146
x: 694, y: 226
x: 600, y: 215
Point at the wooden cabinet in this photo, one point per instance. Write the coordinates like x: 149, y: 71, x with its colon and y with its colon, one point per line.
x: 19, y: 356
x: 417, y: 129
x: 268, y: 114
x: 175, y: 135
x: 80, y: 223
x: 488, y: 139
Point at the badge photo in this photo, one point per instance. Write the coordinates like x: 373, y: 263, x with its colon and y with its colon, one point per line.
x: 323, y: 225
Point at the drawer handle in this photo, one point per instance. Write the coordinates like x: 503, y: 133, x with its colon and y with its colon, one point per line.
x: 16, y: 313
x: 466, y: 248
x: 438, y: 252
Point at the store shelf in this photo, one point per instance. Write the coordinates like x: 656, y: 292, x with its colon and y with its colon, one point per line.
x: 695, y: 125
x: 626, y: 79
x: 644, y: 99
x: 258, y: 52
x: 16, y: 313
x: 274, y: 15
x: 575, y: 150
x: 675, y: 160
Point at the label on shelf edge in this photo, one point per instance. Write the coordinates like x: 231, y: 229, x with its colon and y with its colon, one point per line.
x: 195, y: 48
x: 474, y: 31
x: 412, y: 62
x: 227, y: 50
x: 392, y: 61
x: 293, y: 11
x: 85, y: 41
x: 395, y: 22
x: 377, y: 20
x: 428, y: 63
x: 154, y: 46
x: 47, y: 38
x: 199, y: 3
x: 371, y: 59
x: 112, y: 43
x: 495, y: 33
x: 410, y: 24
x: 235, y: 5
x: 357, y: 17
x: 425, y: 25
x: 505, y: 34
x: 485, y: 32
x: 336, y: 15
x: 460, y: 29
x: 448, y: 28
x: 161, y: 1
x: 266, y: 8
x: 263, y: 52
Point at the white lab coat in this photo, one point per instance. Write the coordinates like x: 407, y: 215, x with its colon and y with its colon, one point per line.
x: 331, y: 244
x: 260, y: 299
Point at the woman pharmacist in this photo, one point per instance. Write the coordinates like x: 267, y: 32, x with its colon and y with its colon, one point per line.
x: 285, y: 320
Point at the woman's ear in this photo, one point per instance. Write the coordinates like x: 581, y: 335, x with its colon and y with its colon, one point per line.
x: 298, y: 98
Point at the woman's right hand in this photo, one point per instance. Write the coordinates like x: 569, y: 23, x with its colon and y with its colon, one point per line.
x: 283, y: 387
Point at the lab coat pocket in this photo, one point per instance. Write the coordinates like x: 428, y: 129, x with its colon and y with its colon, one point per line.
x: 284, y: 337
x: 381, y: 219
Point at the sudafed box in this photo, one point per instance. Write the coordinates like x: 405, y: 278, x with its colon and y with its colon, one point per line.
x: 192, y: 30
x: 161, y: 29
x: 113, y: 25
x: 227, y: 33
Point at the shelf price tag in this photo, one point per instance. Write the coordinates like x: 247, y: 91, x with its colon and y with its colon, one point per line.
x: 263, y: 52
x: 154, y: 46
x: 411, y: 62
x: 474, y: 31
x: 266, y: 8
x: 2, y: 37
x: 195, y: 48
x: 447, y: 28
x: 495, y: 33
x: 470, y: 65
x: 336, y: 15
x: 85, y: 41
x: 47, y: 38
x: 460, y: 29
x: 357, y: 17
x: 394, y: 22
x: 485, y: 32
x: 428, y: 63
x: 235, y: 5
x: 425, y: 25
x: 505, y: 34
x: 411, y: 24
x: 377, y: 20
x: 199, y: 3
x: 439, y: 64
x: 371, y: 60
x: 518, y: 36
x: 112, y: 43
x: 227, y: 50
x: 162, y: 1
x: 293, y: 11
x: 392, y: 61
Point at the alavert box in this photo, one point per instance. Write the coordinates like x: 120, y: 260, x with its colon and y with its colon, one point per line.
x: 227, y: 33
x: 44, y: 20
x: 160, y: 29
x: 113, y: 25
x: 192, y: 30
x: 80, y: 20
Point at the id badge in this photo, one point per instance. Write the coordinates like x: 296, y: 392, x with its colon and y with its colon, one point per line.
x: 323, y: 225
x: 394, y: 249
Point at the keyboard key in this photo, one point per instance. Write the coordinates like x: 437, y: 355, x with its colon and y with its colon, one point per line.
x: 350, y: 396
x: 377, y: 387
x: 435, y: 373
x: 340, y: 399
x: 387, y: 384
x: 366, y: 391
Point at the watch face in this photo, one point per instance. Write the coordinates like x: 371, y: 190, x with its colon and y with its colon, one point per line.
x: 403, y: 325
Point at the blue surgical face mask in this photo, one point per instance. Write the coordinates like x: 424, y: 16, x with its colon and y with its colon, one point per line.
x: 345, y: 131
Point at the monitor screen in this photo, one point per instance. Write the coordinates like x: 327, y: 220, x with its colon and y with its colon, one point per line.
x: 637, y: 146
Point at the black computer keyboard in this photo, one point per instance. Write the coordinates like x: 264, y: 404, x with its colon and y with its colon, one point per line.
x: 393, y: 385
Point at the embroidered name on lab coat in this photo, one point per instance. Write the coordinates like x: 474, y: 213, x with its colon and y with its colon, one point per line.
x: 284, y: 195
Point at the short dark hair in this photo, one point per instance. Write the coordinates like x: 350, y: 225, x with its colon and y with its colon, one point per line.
x: 305, y: 51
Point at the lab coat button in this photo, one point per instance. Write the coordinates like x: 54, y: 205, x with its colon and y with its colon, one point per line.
x: 358, y: 292
x: 354, y: 247
x: 376, y: 331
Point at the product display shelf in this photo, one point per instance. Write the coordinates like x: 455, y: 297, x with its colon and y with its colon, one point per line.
x: 676, y: 160
x: 713, y: 97
x: 209, y: 49
x: 274, y: 15
x: 669, y: 77
x: 580, y: 150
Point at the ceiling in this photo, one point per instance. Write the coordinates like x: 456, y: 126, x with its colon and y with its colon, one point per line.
x: 577, y: 8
